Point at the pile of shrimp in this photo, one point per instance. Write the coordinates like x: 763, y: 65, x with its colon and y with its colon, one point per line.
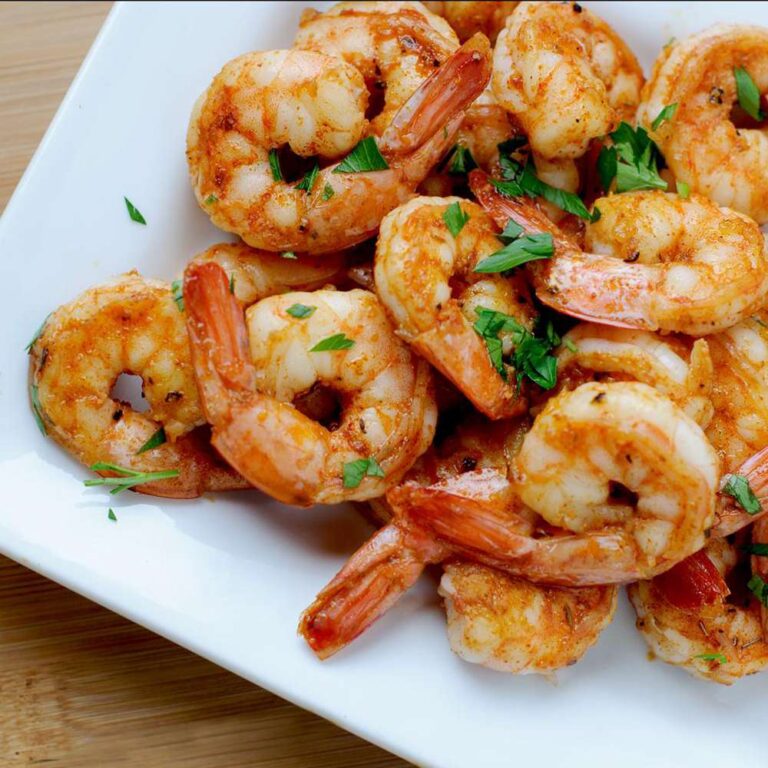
x: 495, y: 287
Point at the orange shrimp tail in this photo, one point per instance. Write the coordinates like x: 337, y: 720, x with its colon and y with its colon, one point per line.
x: 371, y: 582
x: 441, y: 97
x: 730, y: 516
x: 218, y: 336
x: 692, y: 583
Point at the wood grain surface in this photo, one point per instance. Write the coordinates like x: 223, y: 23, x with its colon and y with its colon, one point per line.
x: 80, y: 686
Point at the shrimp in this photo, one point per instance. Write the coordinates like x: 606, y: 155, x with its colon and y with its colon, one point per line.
x: 424, y: 277
x: 678, y: 367
x: 130, y: 325
x: 653, y: 261
x: 616, y: 464
x: 468, y: 16
x: 699, y: 615
x: 387, y: 408
x: 495, y: 620
x: 703, y: 146
x: 394, y: 46
x: 315, y: 104
x: 565, y: 75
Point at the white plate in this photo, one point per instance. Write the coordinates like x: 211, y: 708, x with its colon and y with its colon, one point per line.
x: 227, y: 577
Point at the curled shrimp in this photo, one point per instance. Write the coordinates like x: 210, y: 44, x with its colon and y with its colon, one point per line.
x: 619, y: 466
x: 425, y: 279
x: 702, y: 145
x: 566, y: 76
x: 394, y: 45
x: 676, y: 366
x: 468, y: 17
x: 315, y: 104
x: 494, y: 619
x: 131, y: 325
x: 653, y: 261
x: 387, y: 414
x: 699, y: 615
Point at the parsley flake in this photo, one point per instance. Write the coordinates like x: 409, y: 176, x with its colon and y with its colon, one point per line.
x: 328, y: 192
x: 517, y: 252
x: 757, y: 548
x: 455, y: 218
x: 158, y: 438
x: 333, y: 343
x: 720, y: 658
x: 664, y: 116
x: 460, y: 161
x: 128, y: 478
x: 37, y: 409
x: 363, y: 158
x: 37, y: 335
x: 737, y: 486
x: 211, y: 199
x: 111, y: 515
x: 177, y: 290
x: 355, y: 471
x: 759, y: 589
x: 683, y: 190
x: 633, y: 161
x: 134, y: 212
x: 288, y: 255
x: 749, y: 96
x: 232, y: 283
x: 300, y: 311
x: 274, y: 164
x: 309, y: 179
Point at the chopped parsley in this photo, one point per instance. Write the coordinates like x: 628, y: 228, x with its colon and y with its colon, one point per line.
x: 517, y: 252
x: 274, y: 164
x: 455, y: 218
x: 288, y: 255
x: 37, y: 409
x: 720, y: 658
x: 460, y: 161
x: 355, y: 471
x: 300, y: 311
x: 177, y: 289
x: 111, y: 515
x: 333, y: 343
x: 232, y: 283
x: 683, y: 190
x: 570, y: 346
x: 759, y: 589
x: 328, y: 192
x: 37, y: 335
x: 128, y: 478
x: 211, y: 199
x: 309, y: 179
x: 749, y: 96
x: 531, y: 355
x: 158, y: 438
x: 664, y: 116
x: 134, y: 212
x: 757, y: 548
x: 633, y: 161
x: 363, y: 158
x: 737, y: 486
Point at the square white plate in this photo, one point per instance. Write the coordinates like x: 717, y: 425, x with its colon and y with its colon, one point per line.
x: 228, y: 577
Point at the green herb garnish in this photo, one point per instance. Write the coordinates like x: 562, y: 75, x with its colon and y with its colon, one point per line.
x: 570, y: 346
x: 683, y: 190
x: 720, y: 658
x: 363, y: 158
x: 37, y: 409
x: 633, y: 161
x: 749, y: 96
x: 757, y: 548
x: 177, y: 290
x: 232, y: 283
x: 355, y: 471
x: 460, y: 161
x: 332, y: 343
x: 111, y: 515
x: 666, y: 114
x: 455, y: 218
x: 134, y: 212
x: 300, y: 311
x: 37, y: 335
x: 288, y: 255
x: 274, y: 164
x: 518, y: 252
x: 759, y: 589
x: 211, y: 199
x: 328, y: 192
x: 128, y: 477
x: 738, y: 487
x: 158, y: 438
x: 309, y: 179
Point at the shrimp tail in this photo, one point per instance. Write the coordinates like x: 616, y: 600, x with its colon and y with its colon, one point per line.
x: 371, y: 582
x: 692, y: 583
x: 446, y: 93
x: 731, y: 517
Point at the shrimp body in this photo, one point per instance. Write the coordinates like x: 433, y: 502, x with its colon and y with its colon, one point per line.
x: 701, y: 144
x: 470, y: 16
x: 131, y: 325
x: 248, y: 388
x: 566, y: 76
x: 424, y: 276
x: 315, y: 104
x: 720, y: 639
x: 653, y: 261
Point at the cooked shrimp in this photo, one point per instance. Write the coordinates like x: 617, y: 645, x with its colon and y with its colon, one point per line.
x: 469, y: 16
x: 617, y: 464
x: 394, y: 46
x: 511, y: 625
x: 255, y: 274
x: 131, y: 325
x: 653, y: 261
x: 315, y: 104
x: 387, y: 414
x: 424, y: 276
x: 566, y: 76
x: 676, y: 366
x: 689, y: 617
x: 701, y: 144
x: 494, y: 619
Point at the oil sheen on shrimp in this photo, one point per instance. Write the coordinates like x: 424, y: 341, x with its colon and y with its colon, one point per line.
x: 425, y: 279
x: 131, y: 325
x: 653, y: 261
x: 703, y: 146
x: 387, y: 412
x: 315, y: 105
x: 565, y: 75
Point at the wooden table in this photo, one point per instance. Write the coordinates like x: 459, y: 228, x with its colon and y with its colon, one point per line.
x: 80, y: 686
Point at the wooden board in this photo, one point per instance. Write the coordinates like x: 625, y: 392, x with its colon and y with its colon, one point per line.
x: 80, y: 686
